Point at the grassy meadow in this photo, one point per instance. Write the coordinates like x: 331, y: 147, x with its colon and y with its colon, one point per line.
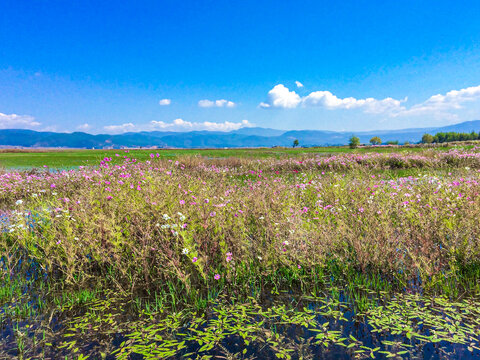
x: 241, y: 254
x: 24, y: 159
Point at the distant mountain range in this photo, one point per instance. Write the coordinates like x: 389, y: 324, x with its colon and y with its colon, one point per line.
x: 245, y: 137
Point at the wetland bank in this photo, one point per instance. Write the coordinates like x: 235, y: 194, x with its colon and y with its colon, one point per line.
x: 306, y: 256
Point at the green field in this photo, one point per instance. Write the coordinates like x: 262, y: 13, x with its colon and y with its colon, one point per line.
x: 64, y: 159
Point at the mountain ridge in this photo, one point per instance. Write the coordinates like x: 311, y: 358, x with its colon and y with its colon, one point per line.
x: 244, y: 137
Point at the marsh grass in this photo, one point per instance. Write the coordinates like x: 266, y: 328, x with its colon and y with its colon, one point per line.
x: 73, y: 158
x: 116, y: 249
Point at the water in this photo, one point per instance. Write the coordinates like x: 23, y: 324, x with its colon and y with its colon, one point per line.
x: 315, y: 328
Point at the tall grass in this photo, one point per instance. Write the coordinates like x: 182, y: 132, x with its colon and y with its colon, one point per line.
x: 183, y: 232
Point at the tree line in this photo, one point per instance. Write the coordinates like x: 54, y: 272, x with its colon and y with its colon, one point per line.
x: 442, y: 137
x: 355, y: 141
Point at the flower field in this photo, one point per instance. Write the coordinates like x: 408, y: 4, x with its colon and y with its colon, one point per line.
x: 349, y: 255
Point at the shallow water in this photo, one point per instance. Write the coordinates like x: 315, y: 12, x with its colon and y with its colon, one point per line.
x: 315, y: 328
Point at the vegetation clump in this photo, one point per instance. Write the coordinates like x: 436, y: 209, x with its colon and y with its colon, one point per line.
x: 452, y: 136
x: 375, y: 140
x: 354, y: 142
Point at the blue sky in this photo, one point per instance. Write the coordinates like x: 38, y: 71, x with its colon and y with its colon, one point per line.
x: 105, y: 66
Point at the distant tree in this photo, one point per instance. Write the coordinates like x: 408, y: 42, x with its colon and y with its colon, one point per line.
x: 392, y: 142
x: 406, y: 143
x: 427, y: 139
x: 375, y: 140
x: 354, y: 142
x: 443, y: 137
x: 295, y: 143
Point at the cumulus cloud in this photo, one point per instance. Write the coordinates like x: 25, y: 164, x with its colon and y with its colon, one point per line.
x: 216, y: 103
x: 441, y: 105
x: 165, y: 102
x: 51, y: 128
x: 299, y: 84
x: 182, y: 125
x: 370, y: 105
x: 119, y: 128
x: 83, y: 127
x: 14, y: 121
x: 281, y: 97
x: 437, y: 106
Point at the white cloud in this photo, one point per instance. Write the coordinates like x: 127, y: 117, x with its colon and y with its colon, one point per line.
x: 182, y: 125
x: 51, y: 128
x: 14, y: 121
x: 119, y: 128
x: 165, y: 102
x: 370, y: 105
x: 181, y: 122
x: 440, y: 106
x: 83, y: 127
x: 299, y: 84
x: 281, y: 97
x: 216, y: 103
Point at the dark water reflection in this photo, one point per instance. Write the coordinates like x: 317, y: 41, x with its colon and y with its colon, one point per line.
x: 299, y: 339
